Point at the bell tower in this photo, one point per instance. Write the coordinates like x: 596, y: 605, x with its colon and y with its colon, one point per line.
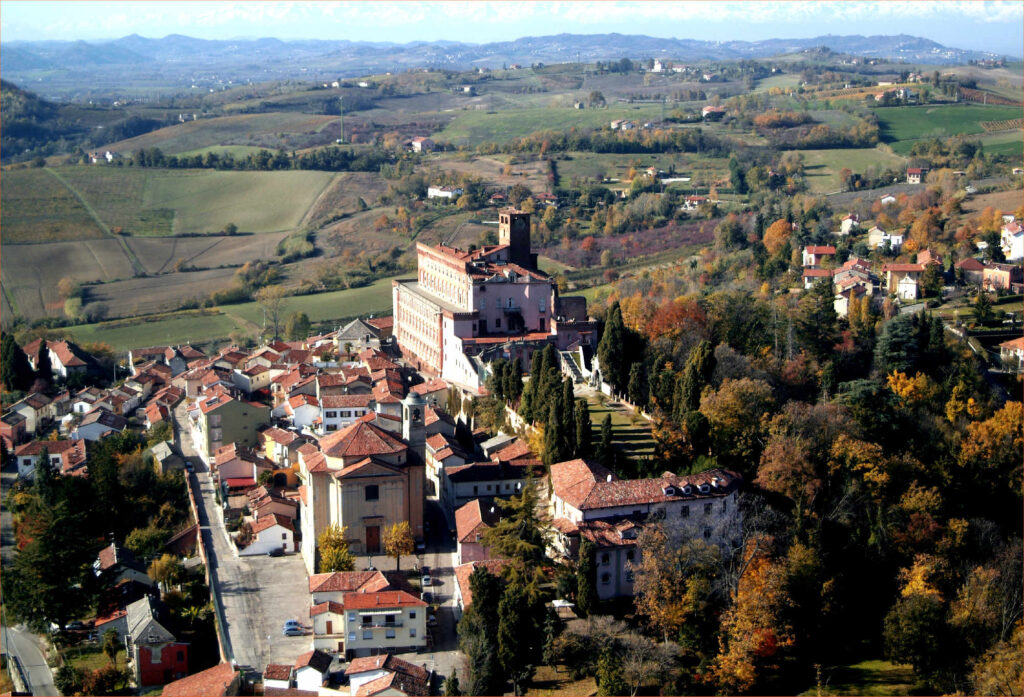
x: 514, y: 230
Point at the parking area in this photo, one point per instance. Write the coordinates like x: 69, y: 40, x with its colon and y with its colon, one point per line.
x: 283, y: 595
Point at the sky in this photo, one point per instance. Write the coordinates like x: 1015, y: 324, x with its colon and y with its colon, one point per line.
x: 969, y: 24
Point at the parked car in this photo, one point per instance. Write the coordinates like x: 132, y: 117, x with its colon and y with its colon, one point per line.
x: 294, y: 631
x: 275, y: 552
x: 426, y: 580
x: 288, y: 624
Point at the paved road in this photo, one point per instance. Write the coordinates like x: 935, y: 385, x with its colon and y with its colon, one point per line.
x: 257, y: 593
x: 23, y: 644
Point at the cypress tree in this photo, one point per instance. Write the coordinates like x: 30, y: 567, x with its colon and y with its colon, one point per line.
x: 610, y: 348
x: 567, y: 441
x: 635, y: 389
x: 584, y: 436
x: 512, y: 625
x: 451, y: 685
x: 17, y: 372
x: 605, y: 449
x: 552, y: 436
x: 609, y: 675
x: 586, y: 578
x: 44, y: 369
x: 700, y: 366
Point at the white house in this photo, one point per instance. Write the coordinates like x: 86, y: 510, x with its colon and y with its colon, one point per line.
x: 815, y: 255
x: 906, y: 288
x: 371, y: 622
x: 340, y: 410
x: 277, y: 676
x: 386, y: 675
x: 849, y: 222
x: 312, y: 670
x: 421, y: 144
x: 1012, y: 353
x: 303, y: 410
x: 448, y: 192
x: 62, y: 454
x: 1012, y: 240
x: 877, y: 239
x: 270, y: 532
x: 99, y: 423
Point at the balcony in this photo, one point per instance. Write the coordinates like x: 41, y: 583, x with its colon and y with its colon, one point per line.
x: 379, y: 624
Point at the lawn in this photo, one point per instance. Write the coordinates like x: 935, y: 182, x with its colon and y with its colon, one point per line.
x: 630, y: 434
x: 36, y: 207
x: 901, y: 126
x: 91, y: 657
x: 475, y: 127
x: 821, y: 167
x: 191, y: 327
x: 549, y: 682
x: 866, y: 678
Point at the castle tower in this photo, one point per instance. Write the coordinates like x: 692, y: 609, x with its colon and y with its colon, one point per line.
x: 514, y: 230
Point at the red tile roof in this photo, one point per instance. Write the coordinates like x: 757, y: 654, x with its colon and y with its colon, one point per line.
x: 970, y: 264
x: 817, y: 273
x: 380, y: 599
x: 277, y: 671
x: 268, y: 521
x: 474, y: 518
x: 402, y: 676
x: 211, y: 682
x: 342, y: 401
x: 361, y: 439
x: 347, y: 581
x: 820, y: 249
x: 464, y: 571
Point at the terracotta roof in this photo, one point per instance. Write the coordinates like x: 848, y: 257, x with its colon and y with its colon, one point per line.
x: 433, y: 385
x: 464, y: 571
x: 820, y: 249
x: 434, y: 414
x: 277, y: 671
x: 902, y: 267
x: 473, y: 518
x: 54, y: 447
x: 361, y: 439
x: 329, y: 606
x: 970, y: 264
x: 341, y: 401
x: 1014, y: 344
x: 517, y: 449
x: 817, y: 273
x: 269, y: 521
x: 380, y: 599
x: 605, y: 533
x: 280, y: 435
x: 403, y: 676
x: 302, y: 400
x: 381, y: 322
x: 105, y: 418
x: 347, y: 581
x: 211, y: 682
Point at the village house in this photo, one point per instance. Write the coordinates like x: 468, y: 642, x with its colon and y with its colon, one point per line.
x: 843, y: 297
x: 237, y: 467
x: 903, y: 280
x: 12, y: 429
x: 280, y: 446
x: 386, y: 675
x: 587, y: 500
x: 484, y: 480
x: 712, y: 113
x: 1012, y: 241
x: 155, y: 656
x: 65, y: 456
x: 471, y: 521
x: 38, y: 411
x: 916, y: 175
x: 312, y: 671
x: 66, y: 358
x: 277, y: 676
x: 217, y: 419
x: 850, y: 222
x: 1001, y: 276
x: 118, y: 564
x: 370, y: 621
x: 448, y: 192
x: 1012, y: 354
x: 421, y: 144
x: 815, y: 255
x: 463, y: 590
x: 972, y: 269
x: 811, y: 276
x: 98, y: 424
x: 880, y: 239
x: 269, y: 532
x: 442, y: 451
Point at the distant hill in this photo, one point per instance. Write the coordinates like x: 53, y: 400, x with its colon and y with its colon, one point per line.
x: 178, y: 58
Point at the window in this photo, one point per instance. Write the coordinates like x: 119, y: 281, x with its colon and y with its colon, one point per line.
x: 684, y: 512
x: 725, y: 505
x: 707, y: 509
x: 497, y: 323
x: 372, y: 492
x: 604, y: 558
x: 351, y: 617
x: 707, y: 533
x: 475, y: 489
x: 389, y: 619
x: 412, y: 614
x: 284, y: 536
x: 630, y: 555
x: 181, y: 655
x: 367, y: 620
x: 368, y: 634
x: 488, y: 487
x: 389, y: 633
x: 606, y: 579
x: 351, y: 636
x: 412, y: 633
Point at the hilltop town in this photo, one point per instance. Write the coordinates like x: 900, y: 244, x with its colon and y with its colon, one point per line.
x: 645, y: 376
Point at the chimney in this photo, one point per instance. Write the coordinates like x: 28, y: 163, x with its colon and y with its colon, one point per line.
x: 608, y: 478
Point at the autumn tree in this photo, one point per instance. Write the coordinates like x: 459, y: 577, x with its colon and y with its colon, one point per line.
x: 777, y: 235
x: 816, y: 322
x: 271, y: 299
x: 166, y: 570
x: 756, y: 638
x: 334, y: 552
x: 999, y: 670
x: 992, y: 448
x: 297, y: 326
x: 398, y: 541
x: 736, y: 414
x: 609, y: 675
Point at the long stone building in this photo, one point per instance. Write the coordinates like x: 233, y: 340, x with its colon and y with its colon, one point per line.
x: 467, y: 308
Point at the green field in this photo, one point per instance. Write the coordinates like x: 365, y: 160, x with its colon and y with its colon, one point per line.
x: 615, y: 166
x: 246, y: 318
x: 821, y: 167
x: 475, y: 127
x: 236, y: 151
x: 36, y: 207
x: 162, y: 202
x: 630, y: 434
x: 784, y: 81
x: 1004, y: 143
x: 901, y: 126
x: 872, y: 678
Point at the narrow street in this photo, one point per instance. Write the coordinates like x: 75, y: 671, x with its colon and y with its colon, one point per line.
x: 256, y: 593
x: 24, y: 645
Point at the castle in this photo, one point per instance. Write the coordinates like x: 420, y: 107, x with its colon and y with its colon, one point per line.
x: 468, y: 308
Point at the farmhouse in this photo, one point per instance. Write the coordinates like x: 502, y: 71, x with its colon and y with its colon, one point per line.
x: 814, y: 255
x: 421, y: 144
x: 1012, y: 240
x: 1001, y: 276
x: 916, y: 175
x: 465, y: 307
x: 1012, y: 354
x: 67, y: 456
x: 903, y: 279
x: 712, y: 113
x: 448, y: 192
x: 65, y: 357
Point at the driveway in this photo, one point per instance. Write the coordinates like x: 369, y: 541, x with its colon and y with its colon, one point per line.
x: 257, y: 593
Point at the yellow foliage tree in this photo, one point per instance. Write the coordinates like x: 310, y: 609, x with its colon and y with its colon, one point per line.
x: 993, y: 446
x: 776, y: 236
